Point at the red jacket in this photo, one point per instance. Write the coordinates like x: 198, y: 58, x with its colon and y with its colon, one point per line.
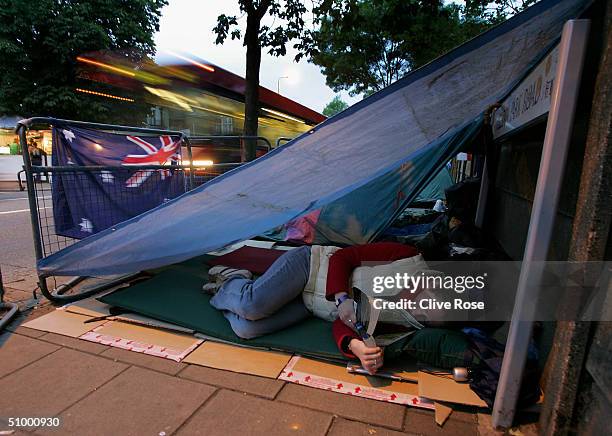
x: 341, y: 266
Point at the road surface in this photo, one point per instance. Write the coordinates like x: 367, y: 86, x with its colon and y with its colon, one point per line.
x: 17, y: 258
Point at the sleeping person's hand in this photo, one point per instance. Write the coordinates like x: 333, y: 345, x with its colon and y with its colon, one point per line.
x: 371, y: 358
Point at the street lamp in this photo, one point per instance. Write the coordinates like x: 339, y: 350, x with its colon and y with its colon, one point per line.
x: 278, y: 83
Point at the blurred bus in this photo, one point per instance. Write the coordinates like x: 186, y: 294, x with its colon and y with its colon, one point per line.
x: 196, y: 97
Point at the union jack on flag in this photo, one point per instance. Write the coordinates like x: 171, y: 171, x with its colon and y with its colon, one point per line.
x: 168, y: 151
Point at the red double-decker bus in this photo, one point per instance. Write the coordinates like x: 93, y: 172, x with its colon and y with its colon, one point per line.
x: 198, y: 98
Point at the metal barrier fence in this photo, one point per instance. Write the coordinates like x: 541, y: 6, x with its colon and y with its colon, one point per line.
x: 43, y: 183
x: 282, y: 139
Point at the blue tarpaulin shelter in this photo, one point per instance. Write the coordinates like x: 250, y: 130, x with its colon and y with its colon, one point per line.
x: 355, y: 172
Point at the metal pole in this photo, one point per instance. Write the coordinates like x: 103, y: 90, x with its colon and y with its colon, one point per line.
x: 27, y: 164
x: 191, y: 167
x: 282, y: 138
x: 552, y: 165
x: 33, y: 202
x: 482, y: 196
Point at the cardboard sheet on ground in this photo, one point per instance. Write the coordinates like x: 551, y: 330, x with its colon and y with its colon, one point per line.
x: 443, y: 411
x: 94, y: 308
x: 175, y: 296
x: 135, y: 318
x: 63, y: 323
x: 443, y: 388
x: 239, y: 359
x: 334, y: 377
x: 140, y: 339
x: 88, y: 307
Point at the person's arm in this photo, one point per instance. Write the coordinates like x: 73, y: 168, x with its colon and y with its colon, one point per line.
x: 342, y: 336
x: 344, y: 261
x: 351, y: 346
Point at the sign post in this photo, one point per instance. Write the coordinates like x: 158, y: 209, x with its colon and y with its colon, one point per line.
x: 552, y: 166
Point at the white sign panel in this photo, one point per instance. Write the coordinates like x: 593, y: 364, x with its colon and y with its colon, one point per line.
x: 530, y: 99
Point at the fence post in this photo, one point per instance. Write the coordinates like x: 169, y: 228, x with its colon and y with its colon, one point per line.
x: 191, y: 167
x: 32, y: 200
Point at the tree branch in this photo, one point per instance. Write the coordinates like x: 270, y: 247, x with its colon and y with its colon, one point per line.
x: 262, y: 8
x: 248, y: 6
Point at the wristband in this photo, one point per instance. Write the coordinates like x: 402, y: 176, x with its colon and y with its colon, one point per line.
x: 341, y: 300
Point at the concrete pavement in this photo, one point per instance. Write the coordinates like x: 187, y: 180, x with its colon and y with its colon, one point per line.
x: 100, y: 390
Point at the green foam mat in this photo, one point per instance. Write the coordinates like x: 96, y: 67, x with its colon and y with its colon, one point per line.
x: 174, y: 295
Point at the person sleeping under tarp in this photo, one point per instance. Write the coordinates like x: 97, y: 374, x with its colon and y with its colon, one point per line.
x: 315, y: 280
x: 303, y: 281
x: 321, y: 280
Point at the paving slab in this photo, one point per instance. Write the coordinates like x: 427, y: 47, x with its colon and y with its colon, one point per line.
x: 53, y: 383
x: 137, y: 402
x: 140, y: 359
x: 261, y: 386
x: 44, y: 307
x: 27, y: 315
x: 28, y: 284
x: 233, y: 413
x: 17, y: 351
x: 463, y: 413
x: 422, y: 422
x: 15, y: 273
x: 75, y: 343
x: 355, y: 408
x: 24, y: 331
x: 16, y: 295
x: 344, y: 427
x: 485, y: 425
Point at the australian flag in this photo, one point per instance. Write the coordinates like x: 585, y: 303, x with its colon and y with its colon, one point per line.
x: 87, y: 202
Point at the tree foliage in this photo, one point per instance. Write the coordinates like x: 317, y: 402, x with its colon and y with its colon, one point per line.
x: 275, y: 37
x: 335, y: 106
x: 363, y: 46
x: 495, y: 11
x: 41, y: 39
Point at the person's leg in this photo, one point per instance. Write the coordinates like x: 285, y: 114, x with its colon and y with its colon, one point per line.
x: 257, y: 299
x: 292, y: 313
